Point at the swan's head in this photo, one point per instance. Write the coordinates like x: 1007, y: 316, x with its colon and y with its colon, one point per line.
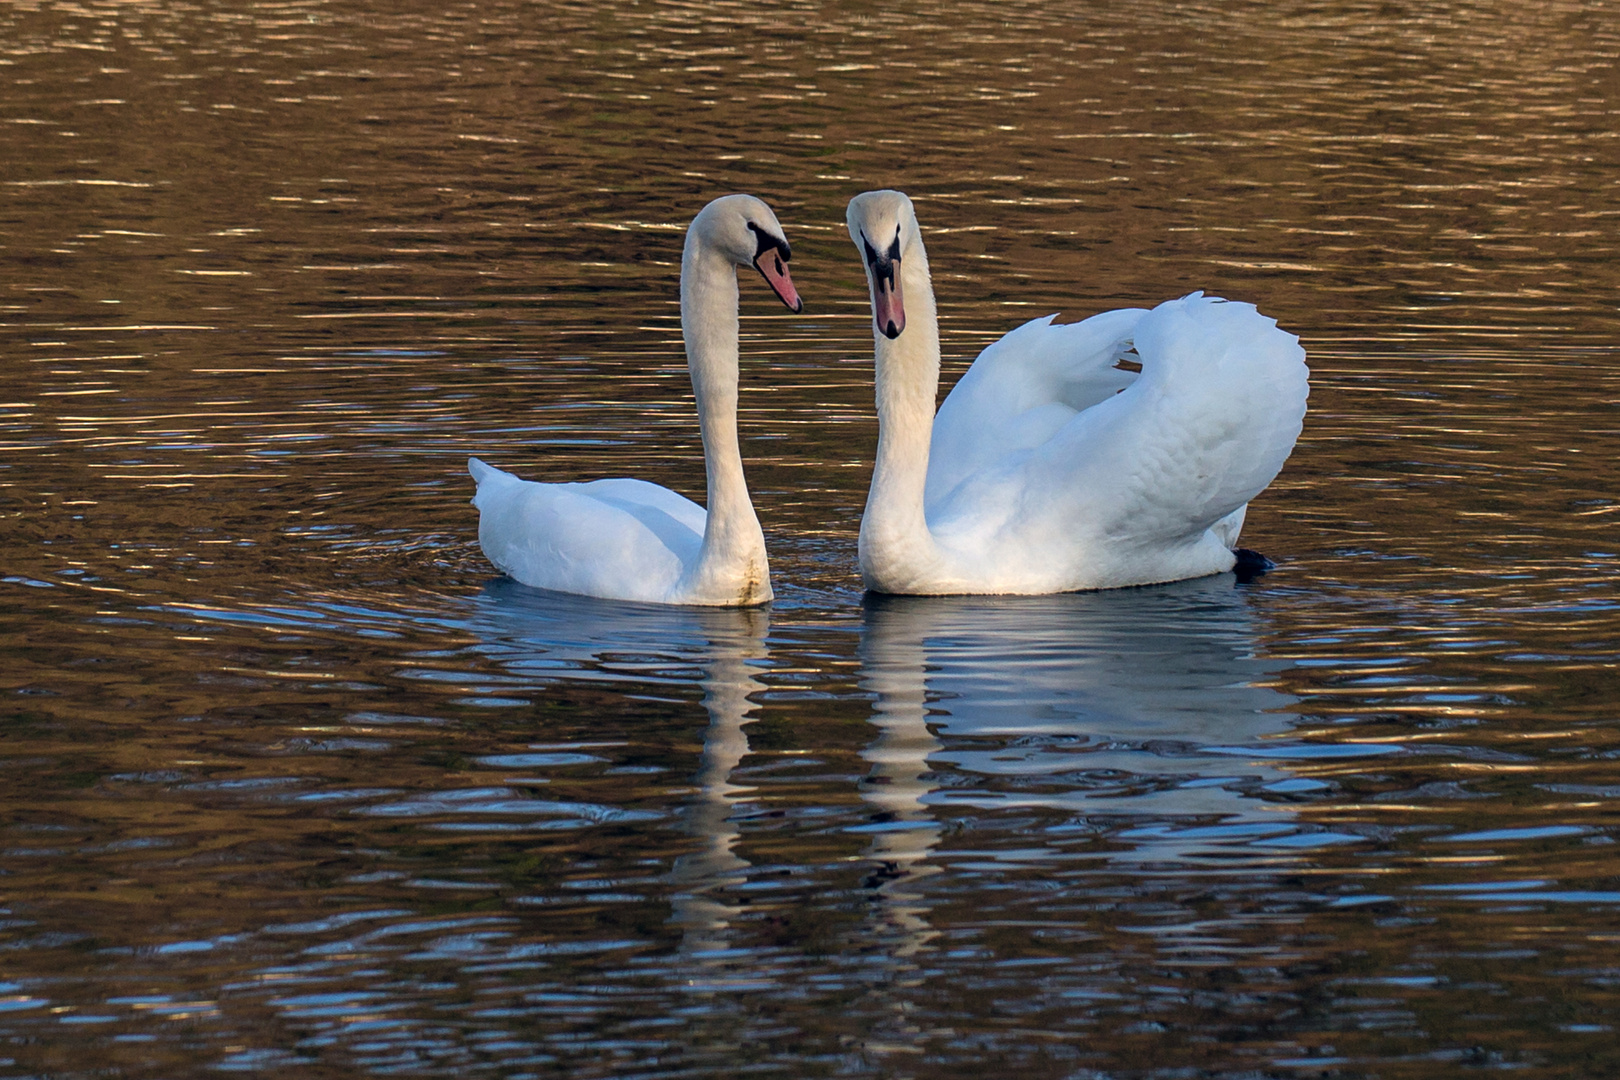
x: 743, y: 229
x: 883, y: 225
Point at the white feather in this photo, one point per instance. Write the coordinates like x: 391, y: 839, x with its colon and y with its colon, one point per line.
x: 1050, y: 468
x: 633, y: 540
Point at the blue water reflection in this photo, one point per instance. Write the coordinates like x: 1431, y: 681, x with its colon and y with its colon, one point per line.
x: 597, y: 822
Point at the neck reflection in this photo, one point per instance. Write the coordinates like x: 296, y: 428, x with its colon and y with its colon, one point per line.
x: 698, y: 906
x: 903, y: 830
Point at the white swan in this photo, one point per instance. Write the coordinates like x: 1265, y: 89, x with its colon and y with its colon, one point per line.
x: 1050, y: 468
x: 633, y: 540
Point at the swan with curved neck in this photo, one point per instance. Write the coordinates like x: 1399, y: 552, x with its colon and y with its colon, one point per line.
x: 633, y: 540
x: 1054, y: 465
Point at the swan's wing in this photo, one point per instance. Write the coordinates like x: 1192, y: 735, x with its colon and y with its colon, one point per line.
x: 1023, y: 389
x: 620, y: 539
x: 656, y: 506
x: 1206, y: 427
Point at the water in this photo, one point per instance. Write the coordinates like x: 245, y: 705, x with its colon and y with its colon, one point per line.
x: 292, y: 784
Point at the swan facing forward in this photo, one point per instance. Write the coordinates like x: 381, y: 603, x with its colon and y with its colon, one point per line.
x: 1050, y: 467
x: 633, y: 540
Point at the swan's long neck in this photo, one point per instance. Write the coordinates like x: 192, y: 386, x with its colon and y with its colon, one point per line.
x: 895, y: 543
x: 733, y: 543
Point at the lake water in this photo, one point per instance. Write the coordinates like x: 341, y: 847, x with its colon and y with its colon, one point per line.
x: 292, y: 784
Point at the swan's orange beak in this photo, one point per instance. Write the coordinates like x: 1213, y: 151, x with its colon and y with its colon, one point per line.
x: 773, y: 268
x: 888, y: 311
x: 883, y: 270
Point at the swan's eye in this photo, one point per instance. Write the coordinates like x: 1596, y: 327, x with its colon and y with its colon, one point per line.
x: 764, y: 242
x: 871, y: 252
x: 894, y: 248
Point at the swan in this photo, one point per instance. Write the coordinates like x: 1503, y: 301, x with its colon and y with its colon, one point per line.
x: 1051, y: 467
x: 633, y: 540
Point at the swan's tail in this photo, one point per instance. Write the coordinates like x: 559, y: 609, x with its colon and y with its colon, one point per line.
x: 488, y: 478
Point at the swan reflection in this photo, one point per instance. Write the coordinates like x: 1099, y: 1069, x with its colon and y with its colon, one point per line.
x: 1140, y: 707
x: 537, y: 634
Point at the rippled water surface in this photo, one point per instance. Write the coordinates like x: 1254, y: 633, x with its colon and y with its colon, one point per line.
x: 291, y: 783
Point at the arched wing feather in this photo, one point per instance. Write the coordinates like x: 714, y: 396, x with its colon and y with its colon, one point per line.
x: 1215, y: 413
x: 1023, y: 390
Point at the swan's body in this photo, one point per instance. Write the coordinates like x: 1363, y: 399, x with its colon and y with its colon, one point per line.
x: 633, y: 540
x: 1049, y: 468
